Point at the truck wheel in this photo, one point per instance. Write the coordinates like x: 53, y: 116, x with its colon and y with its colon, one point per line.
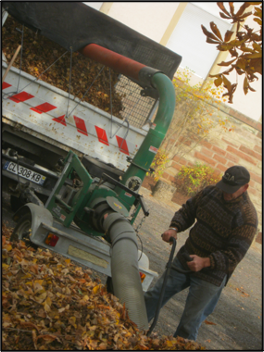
x: 109, y: 285
x: 23, y: 230
x: 16, y: 203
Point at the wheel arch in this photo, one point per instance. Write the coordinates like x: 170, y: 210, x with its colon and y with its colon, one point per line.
x: 38, y: 215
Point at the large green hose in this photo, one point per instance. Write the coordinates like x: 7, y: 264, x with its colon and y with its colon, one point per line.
x: 148, y: 149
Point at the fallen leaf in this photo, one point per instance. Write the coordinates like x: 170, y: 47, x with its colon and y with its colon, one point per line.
x: 34, y: 269
x: 48, y: 338
x: 34, y: 337
x: 209, y: 322
x: 102, y: 346
x: 8, y: 247
x: 26, y: 324
x: 96, y: 288
x: 47, y: 304
x: 41, y: 297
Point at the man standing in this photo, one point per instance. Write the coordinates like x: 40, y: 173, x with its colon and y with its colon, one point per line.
x: 226, y: 222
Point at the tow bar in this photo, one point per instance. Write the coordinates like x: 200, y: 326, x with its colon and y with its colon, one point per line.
x: 168, y: 267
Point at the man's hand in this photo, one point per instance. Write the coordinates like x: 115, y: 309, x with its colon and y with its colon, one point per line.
x: 168, y: 234
x: 198, y: 263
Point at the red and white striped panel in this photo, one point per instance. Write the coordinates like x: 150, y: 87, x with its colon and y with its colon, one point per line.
x: 36, y: 105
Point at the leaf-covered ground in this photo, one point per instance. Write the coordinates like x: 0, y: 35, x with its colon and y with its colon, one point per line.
x: 49, y: 303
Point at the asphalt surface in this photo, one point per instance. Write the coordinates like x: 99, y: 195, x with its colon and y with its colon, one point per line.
x: 236, y: 323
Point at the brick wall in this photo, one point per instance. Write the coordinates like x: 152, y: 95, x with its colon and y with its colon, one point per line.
x: 224, y: 149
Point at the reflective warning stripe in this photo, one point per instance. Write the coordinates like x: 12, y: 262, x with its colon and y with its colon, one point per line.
x: 79, y: 122
x: 5, y: 85
x: 60, y: 119
x: 21, y: 97
x: 101, y: 135
x: 45, y: 107
x: 122, y: 145
x: 80, y: 125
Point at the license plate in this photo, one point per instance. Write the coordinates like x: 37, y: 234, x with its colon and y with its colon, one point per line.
x: 24, y: 172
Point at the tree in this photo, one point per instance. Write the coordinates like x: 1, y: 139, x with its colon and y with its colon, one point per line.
x: 195, y: 117
x: 245, y: 48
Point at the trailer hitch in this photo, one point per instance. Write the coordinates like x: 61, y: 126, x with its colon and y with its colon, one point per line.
x: 168, y: 267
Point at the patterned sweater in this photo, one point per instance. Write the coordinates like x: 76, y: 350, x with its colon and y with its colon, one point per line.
x: 224, y: 231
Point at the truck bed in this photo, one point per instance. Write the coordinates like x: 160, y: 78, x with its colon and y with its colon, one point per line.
x: 47, y: 113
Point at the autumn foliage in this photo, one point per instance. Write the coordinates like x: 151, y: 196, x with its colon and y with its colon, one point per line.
x: 245, y: 48
x: 49, y: 303
x: 192, y: 179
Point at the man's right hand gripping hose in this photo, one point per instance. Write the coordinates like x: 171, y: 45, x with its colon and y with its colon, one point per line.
x: 166, y: 235
x: 185, y: 255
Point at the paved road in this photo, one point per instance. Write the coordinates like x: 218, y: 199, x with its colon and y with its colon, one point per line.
x: 237, y: 318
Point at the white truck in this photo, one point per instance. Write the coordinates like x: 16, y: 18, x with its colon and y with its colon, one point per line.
x: 74, y: 170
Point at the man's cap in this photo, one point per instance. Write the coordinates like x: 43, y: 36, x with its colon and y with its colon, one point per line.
x: 234, y: 178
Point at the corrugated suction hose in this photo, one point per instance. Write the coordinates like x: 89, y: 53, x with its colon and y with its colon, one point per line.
x: 124, y: 268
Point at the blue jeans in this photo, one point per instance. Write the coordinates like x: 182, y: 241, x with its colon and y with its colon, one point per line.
x: 201, y: 300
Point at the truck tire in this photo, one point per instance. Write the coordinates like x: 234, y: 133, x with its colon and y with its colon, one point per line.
x: 22, y: 231
x: 109, y: 285
x: 16, y: 203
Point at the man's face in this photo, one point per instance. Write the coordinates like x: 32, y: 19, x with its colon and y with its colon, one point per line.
x: 231, y: 196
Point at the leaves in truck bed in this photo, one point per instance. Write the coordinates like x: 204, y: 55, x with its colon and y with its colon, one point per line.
x: 49, y: 303
x: 38, y: 53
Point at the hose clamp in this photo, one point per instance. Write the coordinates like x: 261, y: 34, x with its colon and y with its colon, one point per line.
x: 145, y: 76
x: 121, y: 238
x: 124, y: 238
x: 114, y: 222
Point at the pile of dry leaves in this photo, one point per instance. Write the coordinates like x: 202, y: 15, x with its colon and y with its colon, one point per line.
x: 39, y: 53
x: 49, y: 303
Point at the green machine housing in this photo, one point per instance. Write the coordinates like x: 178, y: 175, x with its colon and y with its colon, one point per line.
x: 86, y: 200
